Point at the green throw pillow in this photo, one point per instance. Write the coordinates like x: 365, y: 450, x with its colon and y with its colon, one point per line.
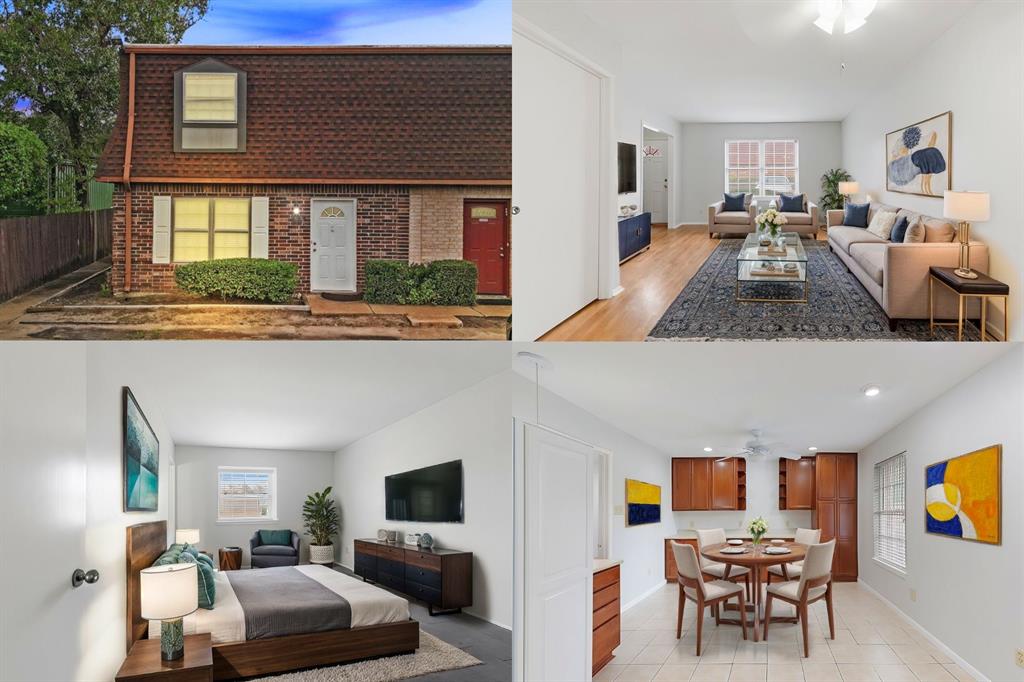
x: 275, y: 537
x: 205, y: 559
x: 171, y: 556
x: 206, y: 583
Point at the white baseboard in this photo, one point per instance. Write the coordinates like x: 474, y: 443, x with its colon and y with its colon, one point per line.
x: 704, y: 225
x: 645, y: 595
x: 618, y: 290
x: 935, y: 641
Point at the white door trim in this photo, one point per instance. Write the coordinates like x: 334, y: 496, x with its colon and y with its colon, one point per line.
x: 519, y: 590
x: 312, y: 227
x: 608, y: 238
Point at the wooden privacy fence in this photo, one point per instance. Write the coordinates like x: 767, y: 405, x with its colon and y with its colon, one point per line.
x: 34, y: 249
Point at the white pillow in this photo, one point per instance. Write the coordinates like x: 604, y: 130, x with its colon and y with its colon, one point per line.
x: 881, y: 224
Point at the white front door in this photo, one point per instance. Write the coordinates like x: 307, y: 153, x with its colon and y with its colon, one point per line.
x: 554, y: 556
x: 332, y: 244
x: 656, y: 183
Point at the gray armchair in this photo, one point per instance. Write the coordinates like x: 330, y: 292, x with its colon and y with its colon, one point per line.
x: 267, y: 556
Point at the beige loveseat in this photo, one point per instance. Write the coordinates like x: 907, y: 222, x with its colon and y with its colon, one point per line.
x: 896, y: 274
x: 804, y: 222
x: 731, y: 222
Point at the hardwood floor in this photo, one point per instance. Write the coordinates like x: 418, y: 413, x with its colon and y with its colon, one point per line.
x: 650, y: 283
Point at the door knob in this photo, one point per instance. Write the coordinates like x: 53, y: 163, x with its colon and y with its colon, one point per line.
x: 80, y: 576
x: 515, y: 210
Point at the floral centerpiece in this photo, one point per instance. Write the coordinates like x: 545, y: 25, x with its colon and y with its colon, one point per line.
x: 770, y: 221
x: 757, y: 528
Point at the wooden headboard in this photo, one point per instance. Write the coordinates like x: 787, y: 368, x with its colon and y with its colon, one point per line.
x: 143, y: 544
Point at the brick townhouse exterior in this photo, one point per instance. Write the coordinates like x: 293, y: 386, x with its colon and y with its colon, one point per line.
x: 320, y: 156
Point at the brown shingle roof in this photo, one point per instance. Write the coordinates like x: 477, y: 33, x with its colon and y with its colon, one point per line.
x: 391, y: 114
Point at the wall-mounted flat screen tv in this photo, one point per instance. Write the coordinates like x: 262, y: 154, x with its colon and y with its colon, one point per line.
x: 627, y: 167
x: 429, y: 495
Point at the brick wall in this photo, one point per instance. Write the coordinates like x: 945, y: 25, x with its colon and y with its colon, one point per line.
x: 382, y: 226
x: 436, y: 219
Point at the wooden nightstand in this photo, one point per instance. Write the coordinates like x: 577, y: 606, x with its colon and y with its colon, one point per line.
x: 144, y: 665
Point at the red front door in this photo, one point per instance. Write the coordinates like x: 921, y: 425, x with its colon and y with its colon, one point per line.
x: 485, y: 241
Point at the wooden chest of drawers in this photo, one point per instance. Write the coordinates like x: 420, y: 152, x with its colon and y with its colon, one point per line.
x: 442, y: 578
x: 607, y: 627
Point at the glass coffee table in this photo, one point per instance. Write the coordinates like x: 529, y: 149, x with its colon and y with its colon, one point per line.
x: 756, y: 265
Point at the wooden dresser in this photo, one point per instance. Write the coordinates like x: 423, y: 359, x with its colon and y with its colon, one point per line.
x: 607, y: 627
x: 443, y: 578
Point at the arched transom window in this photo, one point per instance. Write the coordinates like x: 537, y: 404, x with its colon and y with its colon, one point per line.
x: 332, y: 212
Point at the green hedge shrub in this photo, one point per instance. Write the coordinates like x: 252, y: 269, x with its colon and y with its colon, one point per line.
x: 252, y: 279
x: 23, y: 169
x: 442, y: 282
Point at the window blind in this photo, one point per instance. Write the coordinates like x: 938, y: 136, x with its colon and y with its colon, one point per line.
x: 889, y: 511
x: 210, y: 97
x: 245, y: 494
x: 762, y: 167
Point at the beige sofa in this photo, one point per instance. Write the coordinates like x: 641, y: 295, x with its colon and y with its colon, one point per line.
x: 803, y: 223
x: 896, y: 274
x: 731, y: 222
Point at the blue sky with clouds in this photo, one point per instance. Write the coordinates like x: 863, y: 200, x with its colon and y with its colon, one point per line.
x: 354, y: 22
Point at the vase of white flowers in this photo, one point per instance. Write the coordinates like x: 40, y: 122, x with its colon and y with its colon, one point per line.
x: 770, y: 222
x: 757, y: 528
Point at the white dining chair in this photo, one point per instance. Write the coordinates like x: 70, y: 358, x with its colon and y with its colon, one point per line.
x: 703, y: 593
x: 721, y: 571
x: 792, y: 570
x: 815, y: 583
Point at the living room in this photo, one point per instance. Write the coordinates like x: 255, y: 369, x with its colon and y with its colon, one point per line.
x: 767, y: 99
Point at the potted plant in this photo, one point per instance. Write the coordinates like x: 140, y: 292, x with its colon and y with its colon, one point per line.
x: 831, y: 199
x: 320, y: 517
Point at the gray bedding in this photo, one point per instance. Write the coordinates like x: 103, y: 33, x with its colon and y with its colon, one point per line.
x: 282, y: 601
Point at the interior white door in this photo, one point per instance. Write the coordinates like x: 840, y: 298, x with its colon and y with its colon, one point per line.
x: 43, y: 507
x: 656, y: 186
x: 332, y: 245
x: 556, y: 119
x: 554, y: 556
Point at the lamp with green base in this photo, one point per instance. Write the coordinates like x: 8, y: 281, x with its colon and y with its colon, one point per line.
x: 168, y: 594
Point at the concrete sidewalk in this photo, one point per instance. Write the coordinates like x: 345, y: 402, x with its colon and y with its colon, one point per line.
x: 13, y: 309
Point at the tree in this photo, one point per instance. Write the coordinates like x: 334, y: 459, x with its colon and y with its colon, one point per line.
x: 61, y: 56
x: 22, y: 169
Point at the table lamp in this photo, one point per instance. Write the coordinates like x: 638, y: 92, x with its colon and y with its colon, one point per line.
x: 168, y: 594
x: 848, y: 188
x: 965, y: 207
x: 187, y: 536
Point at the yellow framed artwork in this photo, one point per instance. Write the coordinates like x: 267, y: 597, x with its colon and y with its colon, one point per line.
x: 643, y: 503
x: 963, y: 496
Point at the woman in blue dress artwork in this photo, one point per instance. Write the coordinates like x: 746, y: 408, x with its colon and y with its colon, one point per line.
x: 926, y: 162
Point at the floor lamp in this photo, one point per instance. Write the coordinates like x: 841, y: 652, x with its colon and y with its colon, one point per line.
x: 848, y: 188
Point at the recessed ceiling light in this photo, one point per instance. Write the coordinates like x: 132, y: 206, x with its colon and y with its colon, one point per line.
x: 871, y: 390
x: 813, y: 449
x: 708, y: 449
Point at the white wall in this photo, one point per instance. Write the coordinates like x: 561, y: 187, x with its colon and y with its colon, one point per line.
x: 298, y: 474
x: 104, y: 625
x: 975, y: 70
x: 703, y: 158
x: 762, y: 500
x: 955, y: 579
x: 475, y: 425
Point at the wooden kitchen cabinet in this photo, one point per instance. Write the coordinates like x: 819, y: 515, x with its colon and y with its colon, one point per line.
x: 700, y: 488
x: 607, y: 629
x: 670, y: 558
x: 702, y: 484
x: 723, y: 484
x: 835, y: 509
x: 796, y: 484
x: 682, y: 477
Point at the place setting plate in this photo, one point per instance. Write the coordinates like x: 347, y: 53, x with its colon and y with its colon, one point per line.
x: 733, y: 550
x: 735, y: 542
x: 776, y: 550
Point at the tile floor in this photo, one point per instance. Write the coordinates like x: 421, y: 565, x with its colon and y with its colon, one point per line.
x: 872, y: 644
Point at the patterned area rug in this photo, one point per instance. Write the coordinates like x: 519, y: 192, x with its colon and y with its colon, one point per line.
x: 838, y: 307
x: 434, y: 655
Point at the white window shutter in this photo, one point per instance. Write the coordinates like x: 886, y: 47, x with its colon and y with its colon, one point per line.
x: 260, y: 230
x: 161, y: 229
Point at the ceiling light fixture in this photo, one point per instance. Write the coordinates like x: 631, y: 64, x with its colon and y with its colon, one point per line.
x: 871, y: 390
x: 708, y: 449
x: 853, y: 12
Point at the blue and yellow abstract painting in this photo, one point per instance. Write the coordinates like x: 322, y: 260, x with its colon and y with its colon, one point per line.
x: 643, y: 503
x: 962, y: 496
x: 140, y: 453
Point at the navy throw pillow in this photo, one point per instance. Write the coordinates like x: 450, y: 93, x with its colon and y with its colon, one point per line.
x: 792, y: 203
x: 734, y: 202
x: 856, y: 215
x: 899, y: 230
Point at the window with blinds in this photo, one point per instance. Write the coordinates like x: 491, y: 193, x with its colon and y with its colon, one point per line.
x: 889, y: 512
x: 762, y: 167
x: 208, y: 229
x: 246, y: 494
x: 210, y: 97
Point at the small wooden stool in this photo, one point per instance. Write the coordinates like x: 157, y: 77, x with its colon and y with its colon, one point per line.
x: 983, y: 288
x: 230, y: 558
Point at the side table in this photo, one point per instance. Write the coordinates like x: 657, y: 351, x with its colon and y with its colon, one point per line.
x: 983, y: 288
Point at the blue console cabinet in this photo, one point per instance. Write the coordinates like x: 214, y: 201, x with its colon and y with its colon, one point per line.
x: 634, y: 235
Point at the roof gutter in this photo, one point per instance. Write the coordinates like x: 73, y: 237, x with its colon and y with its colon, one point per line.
x: 127, y: 175
x: 143, y: 48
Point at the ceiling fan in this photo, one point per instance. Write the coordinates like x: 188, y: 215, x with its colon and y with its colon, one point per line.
x: 758, y: 449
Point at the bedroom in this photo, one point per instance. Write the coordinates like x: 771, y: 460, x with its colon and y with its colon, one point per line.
x: 345, y: 419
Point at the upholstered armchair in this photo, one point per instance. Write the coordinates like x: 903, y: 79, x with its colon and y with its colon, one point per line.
x: 804, y: 222
x: 266, y: 555
x: 731, y: 223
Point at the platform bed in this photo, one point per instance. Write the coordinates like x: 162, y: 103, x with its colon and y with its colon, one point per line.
x: 145, y: 542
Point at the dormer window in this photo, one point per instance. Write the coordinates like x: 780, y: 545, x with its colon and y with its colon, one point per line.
x: 209, y: 108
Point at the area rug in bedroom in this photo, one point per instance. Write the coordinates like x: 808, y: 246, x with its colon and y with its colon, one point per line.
x: 838, y: 307
x: 434, y: 655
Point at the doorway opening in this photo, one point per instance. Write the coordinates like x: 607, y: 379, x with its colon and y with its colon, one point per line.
x: 657, y: 175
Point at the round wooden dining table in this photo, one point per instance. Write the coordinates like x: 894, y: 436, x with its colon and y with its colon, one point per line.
x: 756, y: 560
